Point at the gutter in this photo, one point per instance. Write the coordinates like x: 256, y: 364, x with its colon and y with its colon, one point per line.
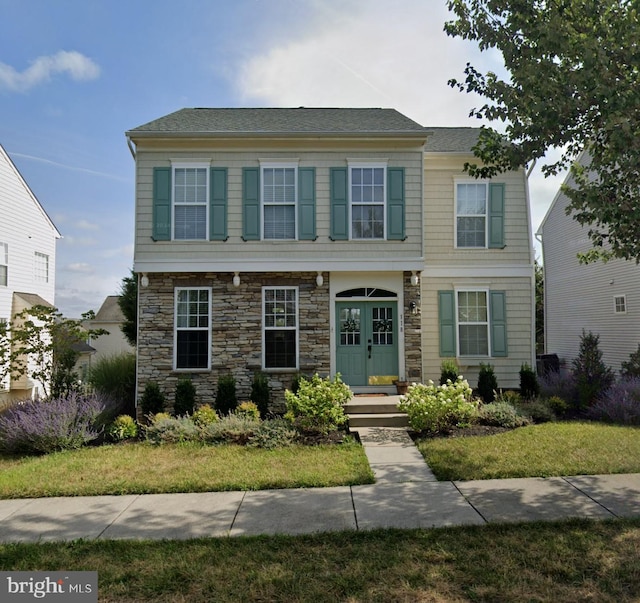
x: 132, y: 149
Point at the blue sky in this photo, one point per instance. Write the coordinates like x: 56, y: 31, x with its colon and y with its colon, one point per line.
x: 75, y: 75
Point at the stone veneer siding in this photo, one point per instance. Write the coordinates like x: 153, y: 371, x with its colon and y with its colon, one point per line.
x: 237, y: 332
x: 236, y: 335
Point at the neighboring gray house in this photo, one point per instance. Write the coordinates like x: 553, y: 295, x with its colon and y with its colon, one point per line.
x: 603, y: 298
x: 110, y: 318
x: 324, y: 240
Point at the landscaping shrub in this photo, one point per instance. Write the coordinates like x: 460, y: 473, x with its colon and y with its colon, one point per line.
x: 631, y: 367
x: 260, y: 393
x: 510, y: 397
x: 592, y: 375
x: 165, y: 429
x: 435, y: 408
x: 249, y: 410
x: 529, y: 387
x: 274, y: 433
x: 620, y: 403
x: 204, y: 415
x: 226, y: 398
x: 561, y: 384
x: 448, y: 371
x: 152, y: 400
x: 115, y: 377
x: 38, y: 426
x: 231, y: 429
x: 319, y: 404
x: 123, y: 427
x: 487, y: 383
x: 185, y: 397
x: 539, y: 411
x: 558, y: 405
x: 501, y: 414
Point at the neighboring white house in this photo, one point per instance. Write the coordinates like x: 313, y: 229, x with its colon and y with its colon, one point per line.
x: 603, y: 298
x: 27, y: 258
x: 110, y: 318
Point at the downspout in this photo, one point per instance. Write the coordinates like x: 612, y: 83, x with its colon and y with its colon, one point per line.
x: 532, y: 263
x: 132, y: 150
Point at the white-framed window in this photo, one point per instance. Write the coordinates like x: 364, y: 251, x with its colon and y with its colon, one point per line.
x: 620, y: 304
x: 279, y: 200
x: 472, y: 309
x: 367, y: 195
x: 192, y: 328
x: 471, y: 214
x: 280, y: 327
x: 190, y: 201
x: 41, y: 267
x: 4, y: 264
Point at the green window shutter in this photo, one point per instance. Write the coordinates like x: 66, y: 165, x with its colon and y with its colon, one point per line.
x: 447, y: 322
x: 498, y: 303
x: 251, y: 204
x: 496, y: 216
x: 218, y: 204
x: 307, y: 204
x: 161, y: 204
x: 395, y: 204
x: 339, y: 205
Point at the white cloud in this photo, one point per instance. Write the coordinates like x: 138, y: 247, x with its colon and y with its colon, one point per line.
x: 77, y: 66
x: 80, y: 267
x: 86, y: 225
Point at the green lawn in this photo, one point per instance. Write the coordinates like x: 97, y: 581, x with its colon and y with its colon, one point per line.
x: 560, y: 562
x: 549, y: 449
x: 142, y: 468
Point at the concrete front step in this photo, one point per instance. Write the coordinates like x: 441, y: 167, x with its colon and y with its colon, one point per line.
x: 375, y: 411
x: 378, y: 420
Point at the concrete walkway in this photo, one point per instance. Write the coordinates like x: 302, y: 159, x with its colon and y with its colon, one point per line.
x: 405, y: 495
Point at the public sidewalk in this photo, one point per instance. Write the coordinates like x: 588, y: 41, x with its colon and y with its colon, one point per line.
x: 405, y: 495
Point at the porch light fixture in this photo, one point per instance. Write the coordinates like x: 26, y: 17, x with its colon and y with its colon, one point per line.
x: 236, y: 279
x: 144, y: 281
x: 414, y: 279
x: 319, y: 279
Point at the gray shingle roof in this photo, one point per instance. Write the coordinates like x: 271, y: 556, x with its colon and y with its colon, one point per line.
x: 301, y: 121
x: 451, y: 140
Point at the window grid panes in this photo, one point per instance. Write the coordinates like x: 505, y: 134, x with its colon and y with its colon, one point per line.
x: 350, y: 326
x: 473, y: 323
x: 620, y: 304
x: 279, y: 201
x: 367, y: 202
x: 4, y: 264
x: 190, y: 203
x: 280, y: 327
x: 192, y: 328
x: 41, y: 267
x: 382, y: 325
x: 471, y: 215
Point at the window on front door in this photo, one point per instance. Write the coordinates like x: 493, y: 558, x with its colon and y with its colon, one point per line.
x: 280, y: 327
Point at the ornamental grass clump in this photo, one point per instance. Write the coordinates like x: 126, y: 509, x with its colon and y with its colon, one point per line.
x: 43, y: 426
x: 318, y: 404
x: 439, y: 408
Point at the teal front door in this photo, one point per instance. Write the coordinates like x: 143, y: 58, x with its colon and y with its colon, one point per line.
x: 367, y: 342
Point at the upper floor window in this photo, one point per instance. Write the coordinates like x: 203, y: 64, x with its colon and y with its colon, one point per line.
x: 279, y: 195
x: 190, y: 202
x: 368, y: 194
x: 192, y: 349
x: 41, y: 267
x: 4, y: 264
x: 471, y: 215
x: 620, y: 304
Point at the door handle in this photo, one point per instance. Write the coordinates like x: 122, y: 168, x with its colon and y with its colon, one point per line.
x: 369, y: 349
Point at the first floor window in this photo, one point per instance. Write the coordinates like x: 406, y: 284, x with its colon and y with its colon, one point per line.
x: 4, y: 264
x: 473, y: 323
x: 280, y: 327
x: 41, y: 268
x: 190, y: 203
x: 193, y: 328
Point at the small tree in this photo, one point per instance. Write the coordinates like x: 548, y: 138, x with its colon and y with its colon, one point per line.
x: 592, y: 375
x: 260, y: 394
x: 448, y: 371
x: 226, y: 397
x: 128, y: 302
x: 631, y: 368
x: 487, y: 383
x: 185, y: 398
x: 529, y: 388
x: 152, y: 400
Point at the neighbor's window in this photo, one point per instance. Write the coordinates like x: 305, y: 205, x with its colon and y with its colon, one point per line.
x: 190, y: 202
x: 193, y: 328
x: 473, y: 323
x: 41, y: 267
x: 368, y: 194
x: 280, y: 327
x: 471, y: 214
x: 620, y: 304
x: 4, y: 264
x: 279, y: 193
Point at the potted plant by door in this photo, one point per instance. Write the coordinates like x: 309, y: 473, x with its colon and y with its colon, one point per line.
x: 401, y: 386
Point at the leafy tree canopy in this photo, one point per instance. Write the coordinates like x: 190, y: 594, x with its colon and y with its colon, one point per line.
x: 128, y: 302
x: 572, y: 69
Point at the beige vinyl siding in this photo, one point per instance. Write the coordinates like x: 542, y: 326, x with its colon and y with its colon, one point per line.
x: 441, y: 174
x: 581, y: 297
x: 519, y: 328
x: 235, y: 248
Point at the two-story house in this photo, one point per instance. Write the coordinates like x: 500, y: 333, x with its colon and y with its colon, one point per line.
x: 27, y: 260
x: 323, y: 240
